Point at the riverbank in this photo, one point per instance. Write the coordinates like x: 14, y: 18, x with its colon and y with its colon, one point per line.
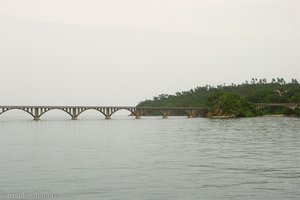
x: 276, y: 115
x: 223, y: 117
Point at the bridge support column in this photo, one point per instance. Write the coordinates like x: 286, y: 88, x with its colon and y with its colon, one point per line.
x: 191, y: 113
x: 74, y: 113
x: 108, y: 113
x: 36, y: 118
x: 138, y: 113
x: 36, y: 114
x: 165, y: 113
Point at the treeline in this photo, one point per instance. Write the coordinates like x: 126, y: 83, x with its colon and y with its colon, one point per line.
x: 254, y: 91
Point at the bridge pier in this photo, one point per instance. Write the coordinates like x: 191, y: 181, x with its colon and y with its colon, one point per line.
x: 74, y: 118
x: 36, y: 114
x: 108, y: 112
x: 137, y: 112
x: 74, y: 113
x: 191, y: 113
x: 164, y: 113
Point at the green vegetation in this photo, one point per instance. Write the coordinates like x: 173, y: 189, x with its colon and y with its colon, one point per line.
x: 236, y: 99
x: 228, y: 104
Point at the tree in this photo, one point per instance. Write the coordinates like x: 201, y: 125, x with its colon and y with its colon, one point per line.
x: 296, y: 98
x: 228, y: 104
x: 273, y: 80
x: 294, y: 81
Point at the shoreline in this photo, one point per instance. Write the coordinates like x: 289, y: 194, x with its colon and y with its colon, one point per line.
x: 275, y: 115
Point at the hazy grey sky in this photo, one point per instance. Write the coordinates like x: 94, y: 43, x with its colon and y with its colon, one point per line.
x: 117, y: 52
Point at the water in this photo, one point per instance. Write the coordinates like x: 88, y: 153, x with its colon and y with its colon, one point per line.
x: 151, y: 158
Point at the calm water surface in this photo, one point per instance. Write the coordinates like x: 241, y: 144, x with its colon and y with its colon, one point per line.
x: 151, y: 158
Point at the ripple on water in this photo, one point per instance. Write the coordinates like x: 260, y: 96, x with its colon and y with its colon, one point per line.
x: 152, y: 158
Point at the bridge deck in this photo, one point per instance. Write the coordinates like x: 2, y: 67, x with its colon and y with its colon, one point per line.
x: 107, y: 111
x: 121, y: 107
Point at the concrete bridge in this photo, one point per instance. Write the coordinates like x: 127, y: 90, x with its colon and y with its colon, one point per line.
x: 291, y: 106
x: 74, y: 111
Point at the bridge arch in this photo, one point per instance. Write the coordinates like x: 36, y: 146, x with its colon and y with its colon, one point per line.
x: 90, y: 109
x: 285, y: 109
x: 264, y: 106
x: 17, y: 109
x: 131, y: 111
x: 41, y: 114
x: 161, y: 112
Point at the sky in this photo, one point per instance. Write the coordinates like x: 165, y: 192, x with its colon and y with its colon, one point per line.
x: 94, y: 52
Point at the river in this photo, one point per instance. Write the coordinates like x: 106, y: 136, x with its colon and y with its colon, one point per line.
x: 150, y: 158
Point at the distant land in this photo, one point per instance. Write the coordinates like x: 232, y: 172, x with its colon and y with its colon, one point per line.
x: 235, y: 100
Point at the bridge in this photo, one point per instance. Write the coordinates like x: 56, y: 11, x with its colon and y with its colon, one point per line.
x: 74, y: 111
x: 291, y: 106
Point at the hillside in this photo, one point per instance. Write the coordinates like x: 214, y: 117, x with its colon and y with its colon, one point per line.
x: 255, y: 91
